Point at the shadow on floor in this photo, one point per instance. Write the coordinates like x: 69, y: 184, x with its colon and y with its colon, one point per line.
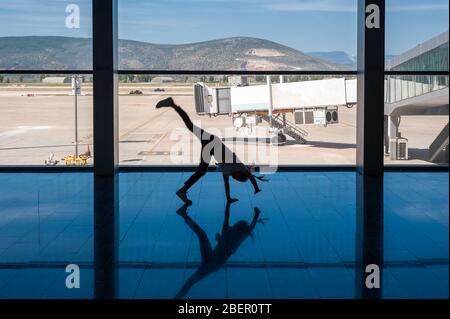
x: 228, y: 242
x: 326, y: 144
x: 419, y: 154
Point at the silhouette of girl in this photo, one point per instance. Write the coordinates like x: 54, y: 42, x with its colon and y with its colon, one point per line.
x: 212, y: 146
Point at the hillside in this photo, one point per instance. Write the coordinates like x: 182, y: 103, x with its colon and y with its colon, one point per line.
x: 337, y: 57
x: 239, y: 53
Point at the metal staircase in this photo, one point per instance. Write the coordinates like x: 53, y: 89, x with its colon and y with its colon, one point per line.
x: 439, y: 148
x: 288, y: 128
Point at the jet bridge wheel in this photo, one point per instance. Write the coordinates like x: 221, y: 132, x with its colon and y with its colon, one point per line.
x: 279, y: 139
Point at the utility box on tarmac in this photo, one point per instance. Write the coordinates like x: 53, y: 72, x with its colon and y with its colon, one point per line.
x: 399, y: 148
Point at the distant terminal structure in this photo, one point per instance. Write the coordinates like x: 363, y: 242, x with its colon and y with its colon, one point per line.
x: 162, y: 79
x: 57, y: 80
x: 237, y: 80
x: 193, y: 79
x: 407, y: 95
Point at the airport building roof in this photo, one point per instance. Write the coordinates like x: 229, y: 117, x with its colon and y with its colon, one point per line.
x: 431, y: 55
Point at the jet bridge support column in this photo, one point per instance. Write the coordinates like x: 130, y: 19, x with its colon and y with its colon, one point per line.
x: 393, y: 124
x: 386, y: 135
x: 269, y: 85
x: 284, y: 114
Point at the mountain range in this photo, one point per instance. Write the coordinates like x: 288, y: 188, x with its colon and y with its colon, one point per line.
x: 342, y: 58
x: 337, y: 57
x: 237, y: 53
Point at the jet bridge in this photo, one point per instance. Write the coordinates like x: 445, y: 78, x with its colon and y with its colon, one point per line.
x: 278, y: 97
x: 312, y: 102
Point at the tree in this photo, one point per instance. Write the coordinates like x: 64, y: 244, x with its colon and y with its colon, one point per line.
x: 20, y: 79
x: 1, y: 78
x: 142, y: 78
x: 122, y: 78
x: 8, y: 80
x: 259, y: 78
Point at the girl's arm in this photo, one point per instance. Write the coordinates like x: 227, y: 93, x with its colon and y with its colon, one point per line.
x: 227, y: 189
x: 253, y: 181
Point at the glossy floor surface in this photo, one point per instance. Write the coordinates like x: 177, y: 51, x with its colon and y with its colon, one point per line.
x: 295, y: 239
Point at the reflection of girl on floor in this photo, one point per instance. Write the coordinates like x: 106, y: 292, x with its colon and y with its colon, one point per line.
x: 228, y: 243
x: 212, y: 146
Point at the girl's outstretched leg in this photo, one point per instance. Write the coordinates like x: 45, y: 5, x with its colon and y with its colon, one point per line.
x: 182, y: 192
x: 184, y: 116
x: 165, y: 103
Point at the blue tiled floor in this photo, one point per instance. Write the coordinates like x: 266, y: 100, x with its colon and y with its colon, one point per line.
x: 305, y: 248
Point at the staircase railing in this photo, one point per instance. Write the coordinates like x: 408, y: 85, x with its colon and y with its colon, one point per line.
x: 439, y: 144
x: 290, y: 128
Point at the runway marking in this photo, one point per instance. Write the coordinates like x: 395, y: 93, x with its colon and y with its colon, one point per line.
x: 39, y: 146
x: 154, y: 145
x: 159, y: 153
x: 142, y: 125
x: 22, y: 130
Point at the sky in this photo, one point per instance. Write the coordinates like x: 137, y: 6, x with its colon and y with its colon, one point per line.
x: 306, y: 25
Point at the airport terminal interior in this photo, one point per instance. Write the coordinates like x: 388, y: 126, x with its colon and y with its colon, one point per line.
x: 353, y: 175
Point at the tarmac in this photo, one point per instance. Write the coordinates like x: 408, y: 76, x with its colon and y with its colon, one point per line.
x: 38, y: 120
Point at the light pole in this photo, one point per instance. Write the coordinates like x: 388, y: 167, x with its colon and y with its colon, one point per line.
x: 76, y: 89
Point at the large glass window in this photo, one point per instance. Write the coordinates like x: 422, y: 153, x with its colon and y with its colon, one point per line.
x: 416, y: 104
x: 296, y: 118
x: 42, y: 117
x: 237, y: 35
x: 45, y: 35
x: 313, y: 118
x: 416, y: 122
